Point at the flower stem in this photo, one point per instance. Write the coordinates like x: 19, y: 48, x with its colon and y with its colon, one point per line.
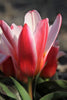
x: 30, y: 87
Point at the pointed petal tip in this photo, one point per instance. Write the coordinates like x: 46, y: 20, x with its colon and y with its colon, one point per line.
x: 31, y: 11
x: 12, y: 26
x: 59, y: 16
x: 1, y: 22
x: 47, y: 20
x: 26, y: 26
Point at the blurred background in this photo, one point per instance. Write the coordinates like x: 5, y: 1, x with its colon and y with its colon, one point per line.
x: 13, y: 11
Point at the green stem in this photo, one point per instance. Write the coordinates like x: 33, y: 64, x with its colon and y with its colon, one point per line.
x: 30, y: 87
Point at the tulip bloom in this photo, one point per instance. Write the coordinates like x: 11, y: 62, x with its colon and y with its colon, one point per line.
x: 35, y: 42
x: 29, y: 46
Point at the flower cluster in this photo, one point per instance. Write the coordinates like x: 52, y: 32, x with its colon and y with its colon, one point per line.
x: 31, y: 49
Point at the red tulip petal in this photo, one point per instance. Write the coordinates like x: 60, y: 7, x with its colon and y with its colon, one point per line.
x: 41, y: 34
x: 27, y: 51
x: 6, y: 65
x: 32, y: 18
x: 51, y: 63
x: 21, y: 76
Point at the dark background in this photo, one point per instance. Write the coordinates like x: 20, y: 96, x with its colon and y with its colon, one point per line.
x: 13, y: 11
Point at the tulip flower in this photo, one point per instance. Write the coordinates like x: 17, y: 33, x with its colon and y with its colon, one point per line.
x: 35, y: 42
x: 28, y: 47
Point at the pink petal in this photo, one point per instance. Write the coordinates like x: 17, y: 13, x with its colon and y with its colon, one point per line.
x: 41, y: 34
x: 7, y: 32
x: 27, y: 52
x: 53, y: 33
x: 49, y: 29
x: 5, y: 46
x: 1, y: 31
x: 56, y: 43
x: 16, y: 30
x: 32, y: 18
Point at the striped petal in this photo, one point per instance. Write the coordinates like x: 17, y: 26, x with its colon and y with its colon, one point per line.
x: 5, y: 46
x: 32, y: 18
x: 41, y: 34
x: 7, y: 32
x: 53, y: 33
x: 16, y: 30
x: 27, y: 51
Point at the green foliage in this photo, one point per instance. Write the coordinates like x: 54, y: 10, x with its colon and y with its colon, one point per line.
x: 43, y: 89
x: 52, y: 90
x: 21, y: 90
x: 55, y: 95
x: 5, y: 91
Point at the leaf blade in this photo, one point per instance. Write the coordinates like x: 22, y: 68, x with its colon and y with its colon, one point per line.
x: 54, y: 95
x: 4, y: 90
x: 21, y: 90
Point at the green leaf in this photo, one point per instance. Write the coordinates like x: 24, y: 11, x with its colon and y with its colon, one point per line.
x: 51, y: 86
x: 5, y: 91
x: 62, y: 83
x: 21, y: 90
x: 54, y: 96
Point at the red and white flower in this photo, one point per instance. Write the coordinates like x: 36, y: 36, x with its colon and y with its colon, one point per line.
x: 29, y: 46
